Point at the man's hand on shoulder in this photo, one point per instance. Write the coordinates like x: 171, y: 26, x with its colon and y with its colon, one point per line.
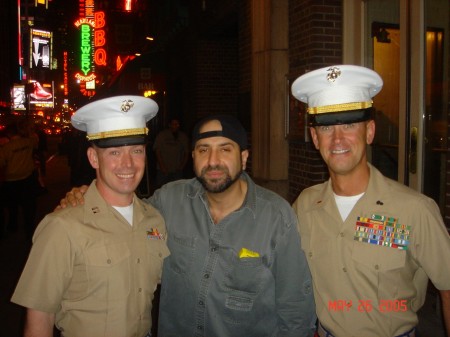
x: 74, y: 197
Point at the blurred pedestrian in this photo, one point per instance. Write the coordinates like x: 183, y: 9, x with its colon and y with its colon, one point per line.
x: 41, y: 153
x: 172, y: 153
x: 21, y: 184
x: 93, y: 269
x: 3, y: 140
x: 81, y: 171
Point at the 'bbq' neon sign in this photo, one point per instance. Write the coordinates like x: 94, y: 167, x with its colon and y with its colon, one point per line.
x: 99, y: 39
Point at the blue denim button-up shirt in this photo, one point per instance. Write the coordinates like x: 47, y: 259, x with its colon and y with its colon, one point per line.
x: 245, y: 276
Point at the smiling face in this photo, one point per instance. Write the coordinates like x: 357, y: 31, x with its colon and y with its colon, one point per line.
x: 343, y: 147
x: 119, y: 171
x: 218, y: 161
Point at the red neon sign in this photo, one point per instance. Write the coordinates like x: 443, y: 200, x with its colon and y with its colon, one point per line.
x: 99, y: 39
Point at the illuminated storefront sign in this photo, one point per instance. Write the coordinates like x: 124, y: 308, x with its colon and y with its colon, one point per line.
x: 66, y: 73
x: 40, y: 49
x: 92, y: 51
x: 127, y: 5
x: 18, y: 97
x: 41, y: 2
x: 100, y: 39
x: 86, y: 26
x: 86, y: 49
x: 41, y: 95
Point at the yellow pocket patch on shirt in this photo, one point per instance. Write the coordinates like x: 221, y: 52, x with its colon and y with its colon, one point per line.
x: 244, y: 252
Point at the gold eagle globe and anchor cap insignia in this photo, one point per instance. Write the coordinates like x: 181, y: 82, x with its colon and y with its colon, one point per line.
x: 127, y: 105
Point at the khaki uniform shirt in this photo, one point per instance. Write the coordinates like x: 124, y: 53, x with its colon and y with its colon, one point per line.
x: 94, y: 270
x: 365, y: 283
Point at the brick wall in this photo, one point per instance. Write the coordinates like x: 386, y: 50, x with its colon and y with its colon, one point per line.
x: 216, y: 77
x: 245, y: 68
x: 315, y: 41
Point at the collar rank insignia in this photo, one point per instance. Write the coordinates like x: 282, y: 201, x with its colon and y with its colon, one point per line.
x: 382, y: 231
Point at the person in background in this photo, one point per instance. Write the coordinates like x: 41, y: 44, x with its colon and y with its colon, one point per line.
x: 81, y: 171
x: 20, y: 175
x: 172, y: 153
x: 236, y: 266
x: 93, y: 269
x: 3, y: 199
x: 371, y: 242
x: 41, y: 151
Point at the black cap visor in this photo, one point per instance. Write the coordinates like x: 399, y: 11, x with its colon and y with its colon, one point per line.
x: 231, y: 129
x: 343, y: 117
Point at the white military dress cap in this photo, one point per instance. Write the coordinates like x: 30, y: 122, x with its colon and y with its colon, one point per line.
x: 116, y: 121
x: 338, y: 94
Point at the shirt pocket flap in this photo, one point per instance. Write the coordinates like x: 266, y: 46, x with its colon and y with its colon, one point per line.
x: 108, y: 255
x: 378, y: 257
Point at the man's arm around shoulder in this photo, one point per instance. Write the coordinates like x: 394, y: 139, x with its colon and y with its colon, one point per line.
x: 39, y: 323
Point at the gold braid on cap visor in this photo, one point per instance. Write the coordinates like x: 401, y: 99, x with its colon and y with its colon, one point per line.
x: 339, y: 107
x: 118, y: 133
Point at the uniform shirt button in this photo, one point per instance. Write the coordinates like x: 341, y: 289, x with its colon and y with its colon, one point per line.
x: 200, y: 303
x: 341, y: 234
x: 310, y: 254
x: 160, y: 255
x: 140, y: 289
x: 377, y: 267
x: 108, y: 261
x: 138, y: 260
x: 344, y: 270
x: 206, y: 276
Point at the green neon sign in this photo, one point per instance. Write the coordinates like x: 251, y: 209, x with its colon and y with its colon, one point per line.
x: 86, y: 48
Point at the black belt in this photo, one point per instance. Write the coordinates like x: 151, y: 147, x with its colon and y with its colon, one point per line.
x: 323, y: 332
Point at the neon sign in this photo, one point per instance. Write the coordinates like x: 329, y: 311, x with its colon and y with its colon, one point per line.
x: 99, y: 39
x: 86, y: 49
x: 40, y: 48
x: 66, y: 73
x: 92, y: 45
x: 86, y: 25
